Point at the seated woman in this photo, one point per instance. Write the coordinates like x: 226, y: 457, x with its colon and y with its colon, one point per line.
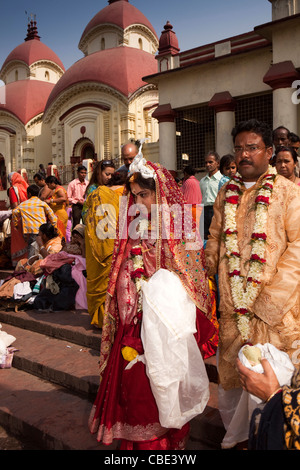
x: 47, y: 242
x: 66, y: 282
x: 77, y: 244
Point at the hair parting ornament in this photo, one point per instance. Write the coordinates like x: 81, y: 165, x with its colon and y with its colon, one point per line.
x: 139, y: 165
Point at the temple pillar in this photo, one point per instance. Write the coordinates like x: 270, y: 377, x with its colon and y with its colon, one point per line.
x: 224, y: 106
x: 167, y: 136
x: 280, y: 78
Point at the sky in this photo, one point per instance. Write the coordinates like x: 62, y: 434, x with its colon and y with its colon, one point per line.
x: 62, y: 22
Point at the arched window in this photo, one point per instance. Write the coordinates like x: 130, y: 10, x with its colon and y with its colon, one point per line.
x: 47, y: 76
x: 16, y: 75
x: 102, y: 44
x: 141, y: 44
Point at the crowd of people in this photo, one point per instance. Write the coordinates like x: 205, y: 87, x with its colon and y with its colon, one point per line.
x: 166, y: 299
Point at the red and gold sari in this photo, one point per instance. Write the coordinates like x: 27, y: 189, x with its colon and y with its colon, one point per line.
x: 125, y: 408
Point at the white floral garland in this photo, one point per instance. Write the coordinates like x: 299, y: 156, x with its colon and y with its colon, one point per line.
x: 244, y: 296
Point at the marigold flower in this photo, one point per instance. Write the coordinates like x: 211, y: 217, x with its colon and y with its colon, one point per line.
x: 232, y: 199
x: 262, y: 200
x: 257, y: 258
x: 136, y: 251
x: 233, y: 187
x: 259, y: 236
x: 234, y: 273
x: 138, y: 273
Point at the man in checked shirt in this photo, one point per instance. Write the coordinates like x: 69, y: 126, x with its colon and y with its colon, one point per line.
x: 34, y: 212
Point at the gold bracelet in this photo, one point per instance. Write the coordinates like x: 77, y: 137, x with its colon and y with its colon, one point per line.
x: 273, y: 394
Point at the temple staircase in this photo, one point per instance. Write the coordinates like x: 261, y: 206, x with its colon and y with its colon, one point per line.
x: 47, y: 394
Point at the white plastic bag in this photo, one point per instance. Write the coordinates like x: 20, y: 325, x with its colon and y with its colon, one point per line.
x: 6, y: 352
x: 174, y: 363
x: 283, y: 367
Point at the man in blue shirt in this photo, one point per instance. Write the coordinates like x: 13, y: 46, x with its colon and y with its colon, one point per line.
x: 209, y: 188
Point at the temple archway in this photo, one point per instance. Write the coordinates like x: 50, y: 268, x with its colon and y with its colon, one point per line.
x: 83, y: 149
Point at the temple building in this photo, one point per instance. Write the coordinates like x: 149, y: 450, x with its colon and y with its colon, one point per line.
x: 30, y: 73
x: 132, y: 84
x: 88, y: 111
x: 102, y: 102
x: 204, y: 91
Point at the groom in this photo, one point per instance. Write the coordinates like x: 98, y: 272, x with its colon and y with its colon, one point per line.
x: 254, y: 246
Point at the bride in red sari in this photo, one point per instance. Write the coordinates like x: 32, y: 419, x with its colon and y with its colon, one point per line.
x: 129, y: 406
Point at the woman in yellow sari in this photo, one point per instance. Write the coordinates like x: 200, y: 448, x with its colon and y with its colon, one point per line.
x: 102, y: 212
x: 58, y: 203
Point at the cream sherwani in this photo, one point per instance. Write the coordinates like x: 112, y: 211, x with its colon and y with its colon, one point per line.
x: 276, y: 309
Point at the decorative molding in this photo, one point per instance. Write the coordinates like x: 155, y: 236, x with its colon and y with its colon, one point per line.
x: 141, y: 91
x: 47, y: 64
x: 102, y: 107
x: 76, y: 90
x: 103, y: 29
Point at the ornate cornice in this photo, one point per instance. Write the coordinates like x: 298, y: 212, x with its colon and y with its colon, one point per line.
x: 49, y: 64
x: 36, y: 120
x: 11, y: 65
x: 40, y: 63
x: 142, y: 91
x: 100, y: 29
x: 56, y: 107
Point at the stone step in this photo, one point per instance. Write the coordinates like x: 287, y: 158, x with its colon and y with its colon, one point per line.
x: 51, y: 417
x: 73, y: 325
x: 61, y: 362
x: 207, y: 429
x: 61, y: 351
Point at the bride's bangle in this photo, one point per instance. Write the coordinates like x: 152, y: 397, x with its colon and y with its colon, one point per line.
x: 273, y: 394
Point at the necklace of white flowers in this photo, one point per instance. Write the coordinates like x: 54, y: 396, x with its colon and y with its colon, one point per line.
x: 243, y: 297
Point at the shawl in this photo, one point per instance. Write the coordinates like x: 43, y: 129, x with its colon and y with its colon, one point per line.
x: 191, y: 190
x: 183, y: 255
x: 20, y: 186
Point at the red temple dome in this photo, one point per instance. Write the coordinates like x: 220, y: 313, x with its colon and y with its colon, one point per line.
x: 26, y: 99
x: 121, y: 68
x: 32, y: 51
x: 119, y: 13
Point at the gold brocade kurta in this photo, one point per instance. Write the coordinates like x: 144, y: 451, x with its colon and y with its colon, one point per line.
x: 276, y: 309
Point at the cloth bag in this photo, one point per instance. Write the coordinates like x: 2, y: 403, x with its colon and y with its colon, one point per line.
x: 174, y: 363
x: 6, y: 353
x: 238, y: 428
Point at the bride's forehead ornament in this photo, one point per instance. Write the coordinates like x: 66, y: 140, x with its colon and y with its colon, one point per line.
x: 139, y: 165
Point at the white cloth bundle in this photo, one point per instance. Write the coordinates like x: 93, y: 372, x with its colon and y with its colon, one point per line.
x: 174, y: 363
x: 21, y: 289
x: 237, y: 430
x: 6, y: 340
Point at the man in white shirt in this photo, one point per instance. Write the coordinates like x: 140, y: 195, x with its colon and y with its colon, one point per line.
x: 209, y: 188
x: 76, y: 194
